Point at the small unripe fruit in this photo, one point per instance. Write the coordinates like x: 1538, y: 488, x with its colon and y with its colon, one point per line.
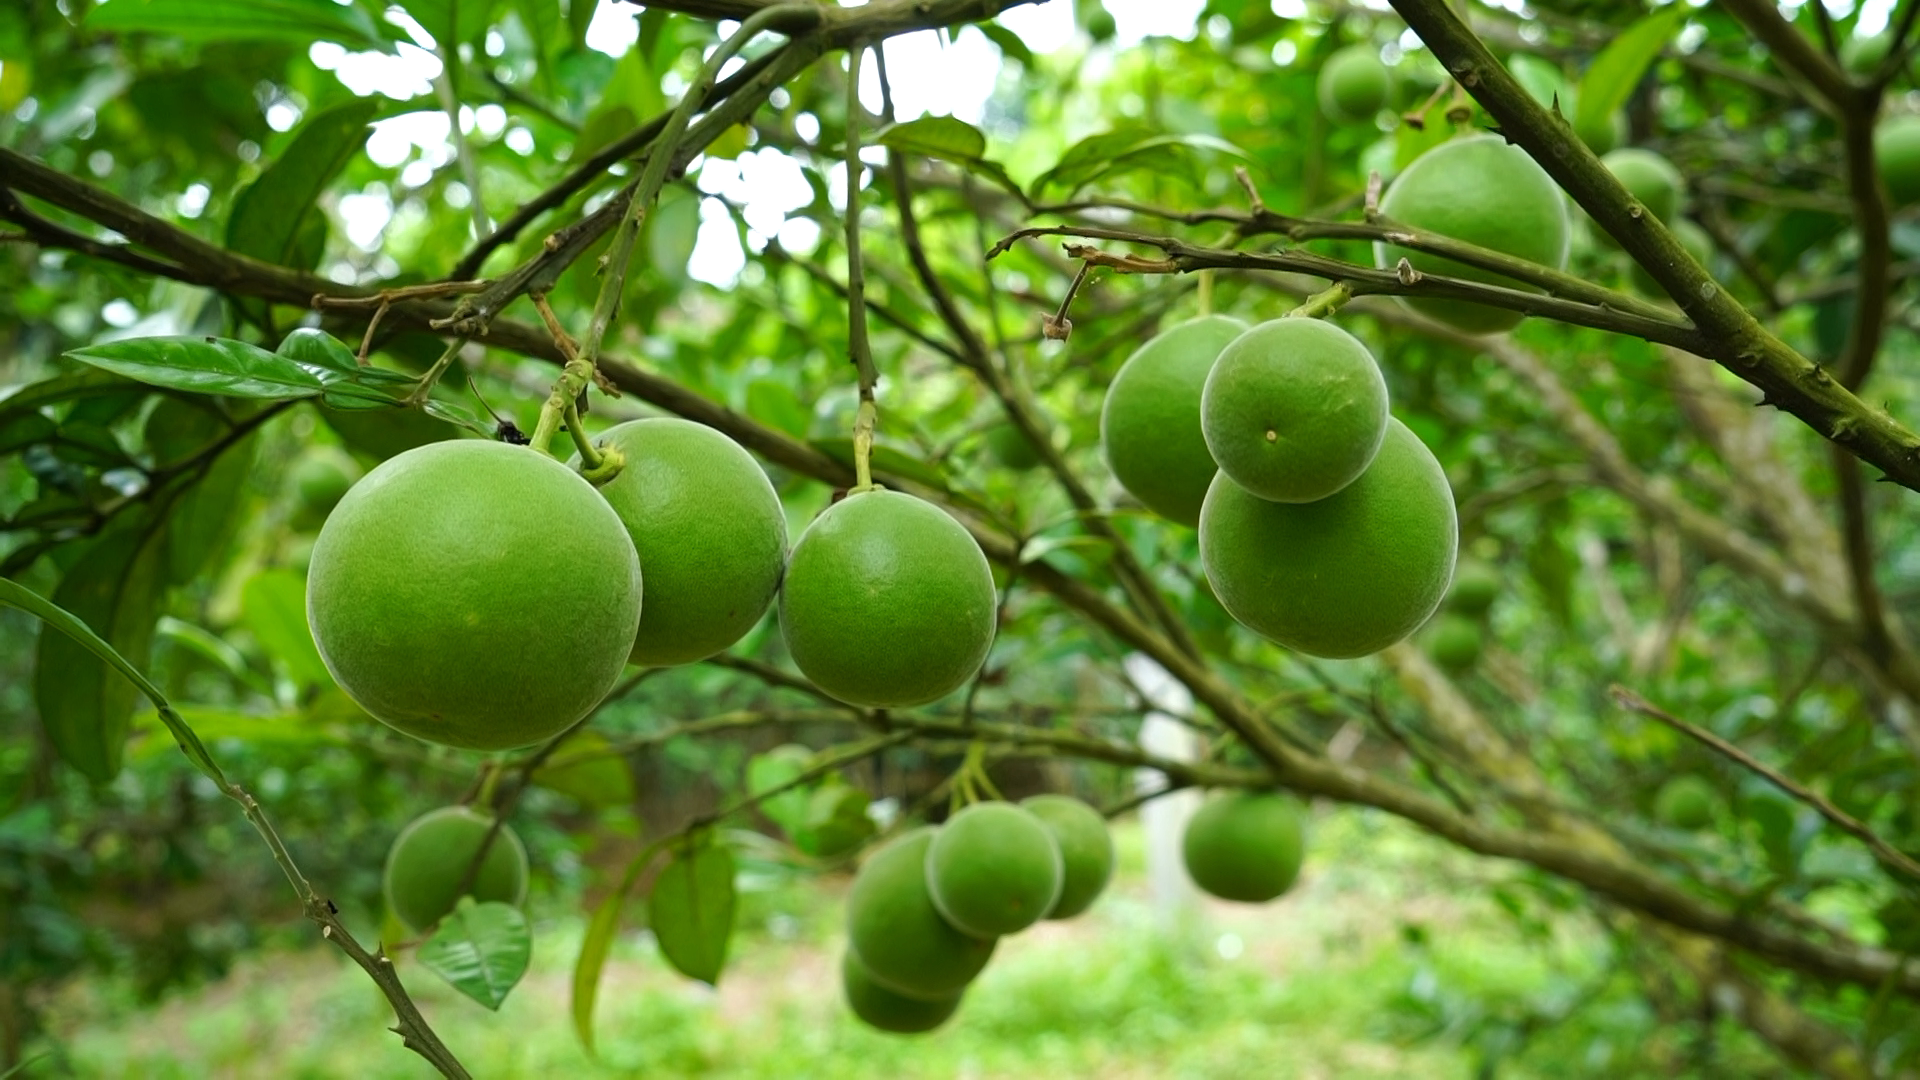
x: 1475, y: 587
x: 898, y: 935
x: 1294, y: 410
x: 1245, y: 846
x: 993, y: 869
x: 474, y: 594
x: 888, y: 602
x: 1685, y: 802
x: 1455, y: 643
x: 1481, y: 190
x: 1652, y: 181
x: 1150, y: 421
x: 1896, y: 142
x: 1861, y: 55
x: 1086, y: 850
x: 1354, y: 85
x: 888, y: 1010
x: 430, y: 858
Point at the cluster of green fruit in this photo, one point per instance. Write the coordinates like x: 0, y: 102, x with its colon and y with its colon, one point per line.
x: 484, y: 595
x: 1325, y: 524
x: 927, y: 909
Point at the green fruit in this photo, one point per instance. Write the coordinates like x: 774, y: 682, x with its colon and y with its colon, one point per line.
x: 888, y: 602
x: 430, y: 858
x: 1245, y: 846
x: 993, y: 869
x: 889, y: 1011
x: 1475, y: 587
x: 1543, y: 81
x: 443, y: 604
x: 1652, y: 181
x: 1354, y: 85
x: 1897, y: 143
x: 1685, y: 802
x: 898, y: 935
x: 1345, y: 576
x: 710, y: 532
x: 320, y: 479
x: 1010, y: 448
x: 1485, y: 192
x: 1693, y: 238
x: 1601, y: 136
x: 1862, y: 55
x: 1455, y: 643
x: 1150, y: 423
x: 1086, y: 850
x: 1294, y: 410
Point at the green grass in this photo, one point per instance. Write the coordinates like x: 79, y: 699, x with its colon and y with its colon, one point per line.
x: 1387, y: 961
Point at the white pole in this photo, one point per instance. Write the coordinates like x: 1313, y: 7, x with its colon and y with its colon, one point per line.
x: 1164, y: 819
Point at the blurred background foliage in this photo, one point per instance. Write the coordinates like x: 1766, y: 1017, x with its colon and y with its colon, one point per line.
x: 183, y: 523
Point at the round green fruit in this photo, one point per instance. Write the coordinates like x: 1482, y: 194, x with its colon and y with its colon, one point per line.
x: 1652, y: 181
x: 1483, y: 191
x: 1150, y: 423
x: 1294, y: 410
x: 898, y: 935
x: 1354, y: 85
x: 320, y: 479
x: 888, y: 602
x: 429, y: 860
x: 1455, y: 643
x: 1475, y: 587
x: 1602, y: 136
x: 887, y: 1010
x: 1693, y: 238
x: 1896, y: 143
x: 1245, y: 846
x: 1086, y: 850
x: 710, y: 533
x: 474, y: 594
x: 1343, y: 577
x: 1010, y: 448
x: 993, y: 869
x: 1685, y: 802
x: 1862, y: 55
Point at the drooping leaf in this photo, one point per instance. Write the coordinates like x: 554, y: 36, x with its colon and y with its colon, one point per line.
x: 115, y: 589
x: 78, y: 386
x: 300, y: 22
x: 579, y: 17
x: 1121, y: 150
x: 481, y: 950
x: 204, y: 365
x: 268, y: 214
x: 273, y: 604
x: 179, y: 433
x: 836, y: 820
x: 950, y: 140
x: 691, y: 909
x: 1614, y: 73
x: 1009, y: 42
x: 601, y: 930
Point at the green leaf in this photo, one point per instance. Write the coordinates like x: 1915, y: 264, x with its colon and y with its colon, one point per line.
x: 273, y: 605
x: 451, y: 21
x: 79, y: 386
x: 948, y: 139
x: 204, y: 365
x: 692, y: 910
x: 1121, y: 150
x: 579, y: 16
x: 1011, y: 46
x: 268, y: 213
x: 385, y: 433
x: 836, y: 820
x: 116, y: 587
x: 204, y: 513
x: 775, y: 769
x: 481, y: 949
x: 886, y: 460
x: 19, y: 432
x: 673, y: 228
x: 1614, y: 73
x: 588, y: 772
x: 601, y: 930
x: 315, y: 348
x: 301, y: 22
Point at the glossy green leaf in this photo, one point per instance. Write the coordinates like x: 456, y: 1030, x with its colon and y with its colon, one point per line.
x: 1009, y: 42
x: 204, y: 365
x: 115, y: 588
x: 315, y: 348
x: 778, y: 405
x: 691, y: 909
x: 300, y: 22
x: 482, y: 950
x: 268, y: 214
x: 947, y: 139
x: 79, y: 386
x: 273, y: 605
x: 1619, y: 67
x: 1120, y: 150
x: 598, y: 942
x: 451, y: 21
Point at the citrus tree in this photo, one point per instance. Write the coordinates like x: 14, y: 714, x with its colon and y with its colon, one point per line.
x: 1473, y: 411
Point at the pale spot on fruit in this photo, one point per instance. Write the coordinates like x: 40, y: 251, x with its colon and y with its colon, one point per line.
x: 1272, y: 435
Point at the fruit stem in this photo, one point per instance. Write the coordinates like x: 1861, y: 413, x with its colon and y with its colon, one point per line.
x: 1322, y: 304
x: 859, y: 349
x: 1206, y: 292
